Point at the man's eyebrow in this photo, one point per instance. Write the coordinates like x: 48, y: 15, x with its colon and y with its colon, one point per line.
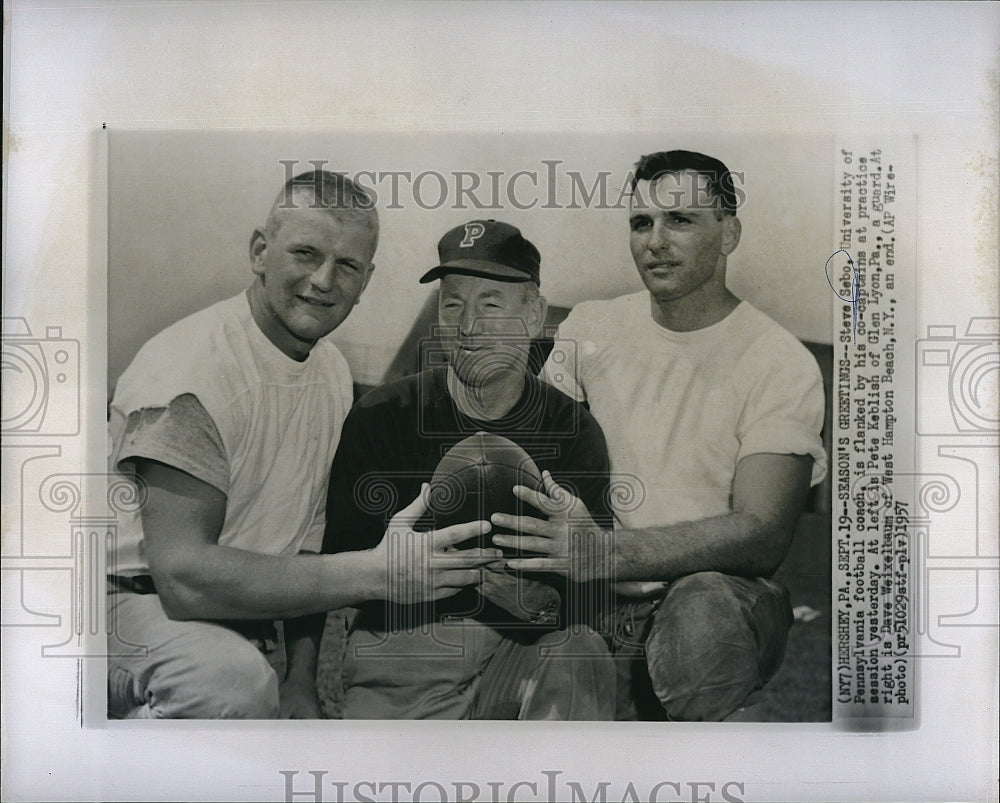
x: 687, y: 212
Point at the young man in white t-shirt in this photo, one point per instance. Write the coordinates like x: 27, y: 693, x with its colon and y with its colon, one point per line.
x: 228, y: 422
x: 712, y: 414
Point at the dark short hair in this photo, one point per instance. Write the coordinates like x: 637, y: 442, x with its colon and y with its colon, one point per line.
x: 720, y: 179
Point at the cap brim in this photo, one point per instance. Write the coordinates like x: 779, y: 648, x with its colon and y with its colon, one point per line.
x: 477, y: 267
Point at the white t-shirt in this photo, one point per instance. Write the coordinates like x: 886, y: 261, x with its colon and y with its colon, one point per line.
x: 278, y: 421
x: 680, y: 409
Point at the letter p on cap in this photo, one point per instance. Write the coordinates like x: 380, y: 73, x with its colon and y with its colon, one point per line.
x: 473, y: 231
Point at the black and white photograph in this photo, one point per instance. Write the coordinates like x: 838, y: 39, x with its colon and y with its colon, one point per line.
x: 684, y: 463
x: 537, y: 401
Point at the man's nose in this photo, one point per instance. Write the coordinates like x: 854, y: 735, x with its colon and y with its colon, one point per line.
x: 469, y: 325
x: 324, y: 277
x: 659, y: 239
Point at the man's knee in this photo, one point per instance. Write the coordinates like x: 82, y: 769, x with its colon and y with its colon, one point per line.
x: 566, y: 674
x: 238, y: 685
x: 712, y: 642
x: 578, y: 675
x: 576, y: 641
x: 231, y: 681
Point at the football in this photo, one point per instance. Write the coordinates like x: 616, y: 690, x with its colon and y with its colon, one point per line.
x: 476, y: 478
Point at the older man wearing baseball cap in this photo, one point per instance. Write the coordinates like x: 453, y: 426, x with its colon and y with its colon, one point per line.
x: 500, y: 650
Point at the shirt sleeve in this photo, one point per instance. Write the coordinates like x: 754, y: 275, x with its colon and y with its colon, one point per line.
x: 181, y: 435
x: 783, y: 411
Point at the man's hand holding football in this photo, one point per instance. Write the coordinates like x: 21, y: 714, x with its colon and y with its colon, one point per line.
x: 423, y: 566
x: 569, y: 543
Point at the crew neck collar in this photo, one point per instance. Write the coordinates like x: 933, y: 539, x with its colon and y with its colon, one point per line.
x: 704, y: 332
x: 268, y: 350
x: 517, y: 417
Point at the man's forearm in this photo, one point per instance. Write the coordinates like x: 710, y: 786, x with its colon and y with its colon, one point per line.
x: 735, y: 543
x: 769, y: 492
x: 224, y: 583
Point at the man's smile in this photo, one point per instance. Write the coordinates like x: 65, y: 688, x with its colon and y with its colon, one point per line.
x: 316, y: 302
x: 475, y: 345
x: 662, y: 266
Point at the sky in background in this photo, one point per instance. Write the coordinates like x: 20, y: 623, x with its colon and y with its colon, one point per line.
x: 182, y: 206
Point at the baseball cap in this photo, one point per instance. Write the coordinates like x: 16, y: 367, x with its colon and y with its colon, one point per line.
x: 486, y: 248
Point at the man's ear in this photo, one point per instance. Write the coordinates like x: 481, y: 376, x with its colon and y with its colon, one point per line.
x: 732, y: 228
x: 536, y: 316
x: 258, y: 250
x: 368, y: 276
